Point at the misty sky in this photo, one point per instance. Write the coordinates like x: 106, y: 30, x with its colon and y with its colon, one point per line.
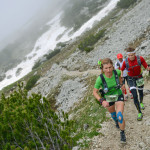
x: 15, y: 13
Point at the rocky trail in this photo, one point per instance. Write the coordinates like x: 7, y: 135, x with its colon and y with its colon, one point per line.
x: 78, y: 73
x: 137, y: 132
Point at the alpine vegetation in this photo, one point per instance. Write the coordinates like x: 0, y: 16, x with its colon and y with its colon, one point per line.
x: 30, y: 123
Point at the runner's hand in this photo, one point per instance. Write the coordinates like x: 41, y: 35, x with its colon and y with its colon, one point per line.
x: 123, y: 88
x: 105, y: 104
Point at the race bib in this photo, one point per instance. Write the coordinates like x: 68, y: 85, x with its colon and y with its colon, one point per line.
x: 111, y: 98
x: 140, y: 82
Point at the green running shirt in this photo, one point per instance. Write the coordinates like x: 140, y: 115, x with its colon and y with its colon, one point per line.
x: 111, y: 84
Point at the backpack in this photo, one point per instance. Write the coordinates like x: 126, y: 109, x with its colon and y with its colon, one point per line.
x: 105, y: 84
x: 118, y: 64
x: 138, y: 60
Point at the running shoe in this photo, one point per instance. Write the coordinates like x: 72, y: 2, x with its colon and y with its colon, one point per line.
x: 140, y: 116
x: 142, y: 106
x: 122, y: 137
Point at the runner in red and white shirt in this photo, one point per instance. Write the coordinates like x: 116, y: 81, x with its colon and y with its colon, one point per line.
x: 135, y: 79
x: 118, y: 65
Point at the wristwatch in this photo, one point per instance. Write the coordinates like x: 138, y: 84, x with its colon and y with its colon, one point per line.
x: 101, y: 100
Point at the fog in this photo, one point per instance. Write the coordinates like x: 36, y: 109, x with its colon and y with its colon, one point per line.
x: 15, y: 14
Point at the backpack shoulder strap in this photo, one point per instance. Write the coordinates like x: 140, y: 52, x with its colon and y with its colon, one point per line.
x: 127, y: 63
x: 138, y: 60
x: 118, y: 64
x: 103, y: 81
x: 116, y: 77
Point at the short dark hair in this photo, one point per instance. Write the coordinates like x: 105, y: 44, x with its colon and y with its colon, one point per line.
x: 129, y: 49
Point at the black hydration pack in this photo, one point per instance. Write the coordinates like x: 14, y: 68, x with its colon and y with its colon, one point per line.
x: 105, y: 90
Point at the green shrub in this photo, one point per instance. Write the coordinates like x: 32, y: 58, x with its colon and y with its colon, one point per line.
x: 87, y: 43
x: 30, y: 123
x: 100, y: 34
x: 61, y: 44
x: 31, y: 82
x: 36, y: 65
x: 88, y: 49
x: 125, y: 3
x: 52, y: 54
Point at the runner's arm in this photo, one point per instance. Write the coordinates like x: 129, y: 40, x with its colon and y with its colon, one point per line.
x: 121, y: 74
x: 95, y: 93
x: 120, y: 80
x: 123, y: 68
x: 143, y: 62
x: 121, y: 83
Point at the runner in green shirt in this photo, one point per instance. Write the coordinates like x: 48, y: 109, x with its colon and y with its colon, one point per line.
x: 111, y: 96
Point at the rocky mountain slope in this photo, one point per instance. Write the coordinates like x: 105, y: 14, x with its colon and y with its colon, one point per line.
x: 67, y: 80
x: 134, y: 24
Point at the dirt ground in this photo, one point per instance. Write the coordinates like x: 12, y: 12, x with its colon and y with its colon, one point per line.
x: 137, y: 132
